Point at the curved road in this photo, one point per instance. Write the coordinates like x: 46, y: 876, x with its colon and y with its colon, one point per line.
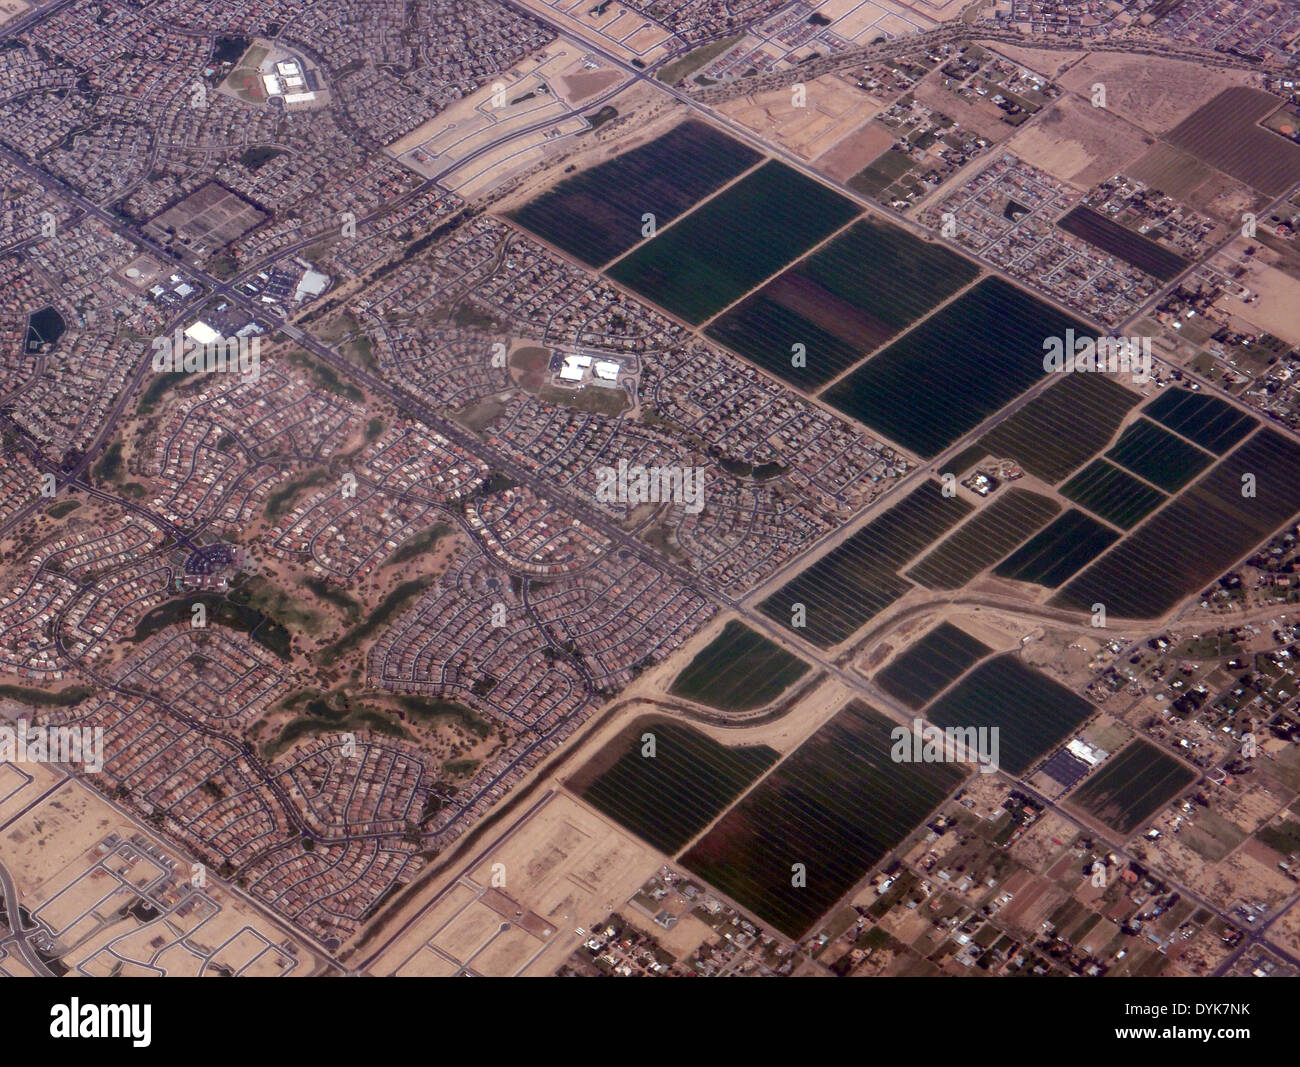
x: 18, y: 938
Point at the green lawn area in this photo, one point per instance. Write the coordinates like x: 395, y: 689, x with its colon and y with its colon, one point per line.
x: 695, y: 59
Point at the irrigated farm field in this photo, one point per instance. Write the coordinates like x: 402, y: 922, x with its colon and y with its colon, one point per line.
x: 1031, y: 711
x: 1133, y: 786
x: 1132, y: 248
x: 740, y: 669
x: 1113, y: 494
x: 597, y: 214
x: 859, y: 578
x: 1197, y: 536
x: 837, y: 805
x: 717, y: 253
x: 926, y: 669
x: 1062, y: 427
x: 842, y: 302
x: 983, y: 540
x: 973, y: 357
x: 668, y: 797
x: 1057, y: 552
x: 1212, y: 423
x: 1225, y: 134
x: 1158, y: 456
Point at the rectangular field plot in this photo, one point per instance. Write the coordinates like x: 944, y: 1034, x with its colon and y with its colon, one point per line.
x: 1224, y: 133
x: 938, y: 382
x: 1158, y: 456
x: 932, y: 664
x: 718, y: 253
x: 668, y: 798
x: 842, y: 302
x: 1063, y: 427
x: 1132, y: 248
x: 1032, y: 712
x: 740, y: 669
x: 859, y: 578
x: 596, y: 214
x: 1053, y: 555
x: 838, y: 804
x: 1198, y: 535
x: 1132, y: 786
x: 983, y: 540
x: 1208, y: 421
x: 207, y: 220
x: 1117, y: 497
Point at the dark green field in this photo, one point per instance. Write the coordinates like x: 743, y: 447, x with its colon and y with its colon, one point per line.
x: 596, y: 214
x: 1031, y: 712
x: 1060, y: 550
x: 716, y: 254
x: 1132, y: 786
x: 954, y: 370
x: 1131, y: 247
x: 668, y: 798
x: 859, y: 578
x: 1206, y: 420
x: 1198, y: 535
x: 738, y: 670
x: 996, y: 530
x: 1158, y: 456
x: 1062, y: 427
x: 964, y: 460
x: 843, y: 302
x: 1116, y: 496
x: 931, y: 665
x: 838, y: 805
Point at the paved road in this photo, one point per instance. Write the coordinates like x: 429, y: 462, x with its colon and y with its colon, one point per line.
x: 18, y: 939
x: 453, y: 431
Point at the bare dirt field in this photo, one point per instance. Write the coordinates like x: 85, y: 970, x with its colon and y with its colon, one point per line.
x: 520, y: 906
x: 1277, y: 309
x: 1079, y: 144
x: 1150, y: 92
x: 613, y: 27
x: 1287, y: 928
x: 1271, y: 302
x: 855, y: 152
x: 80, y: 867
x: 831, y: 110
x: 1225, y: 198
x: 11, y: 9
x: 644, y: 114
x: 582, y: 86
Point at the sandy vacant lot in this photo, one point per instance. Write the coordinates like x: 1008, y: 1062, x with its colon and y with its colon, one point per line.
x: 77, y: 883
x: 855, y: 152
x: 1079, y: 143
x: 519, y: 907
x: 831, y: 110
x: 11, y: 9
x: 1156, y: 94
x: 1277, y: 309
